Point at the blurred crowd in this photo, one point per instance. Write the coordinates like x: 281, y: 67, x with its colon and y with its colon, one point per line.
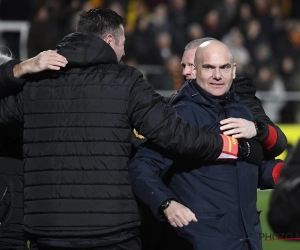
x: 263, y: 35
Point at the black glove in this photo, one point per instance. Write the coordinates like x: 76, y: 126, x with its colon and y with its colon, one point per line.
x: 251, y: 151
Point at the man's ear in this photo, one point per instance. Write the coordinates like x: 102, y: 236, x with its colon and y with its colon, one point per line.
x: 108, y: 38
x: 234, y: 71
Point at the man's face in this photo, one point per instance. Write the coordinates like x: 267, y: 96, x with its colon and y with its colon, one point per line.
x: 117, y: 43
x: 187, y: 62
x: 215, y: 69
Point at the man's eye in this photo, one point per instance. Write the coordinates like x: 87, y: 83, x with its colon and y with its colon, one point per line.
x: 226, y: 68
x: 207, y: 68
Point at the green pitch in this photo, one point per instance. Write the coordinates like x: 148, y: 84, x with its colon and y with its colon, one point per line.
x: 268, y: 237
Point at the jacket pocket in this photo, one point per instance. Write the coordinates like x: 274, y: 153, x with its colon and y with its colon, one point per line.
x: 5, y: 203
x: 207, y: 233
x: 256, y: 223
x: 256, y: 236
x: 209, y: 223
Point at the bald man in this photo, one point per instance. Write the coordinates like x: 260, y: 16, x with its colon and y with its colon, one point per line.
x: 217, y: 200
x: 270, y: 135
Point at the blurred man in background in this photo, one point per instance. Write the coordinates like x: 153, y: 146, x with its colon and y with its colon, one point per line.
x: 284, y: 208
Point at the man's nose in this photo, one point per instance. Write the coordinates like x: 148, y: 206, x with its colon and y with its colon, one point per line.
x: 217, y: 74
x: 186, y: 71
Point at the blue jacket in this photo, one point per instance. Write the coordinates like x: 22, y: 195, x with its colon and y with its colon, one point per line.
x: 222, y: 194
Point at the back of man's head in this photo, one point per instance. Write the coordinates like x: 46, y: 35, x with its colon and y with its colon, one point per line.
x: 195, y: 43
x: 100, y: 22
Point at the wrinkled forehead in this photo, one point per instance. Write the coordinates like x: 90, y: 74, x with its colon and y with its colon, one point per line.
x: 215, y: 55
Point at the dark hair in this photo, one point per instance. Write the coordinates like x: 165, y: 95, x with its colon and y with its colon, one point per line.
x: 100, y: 22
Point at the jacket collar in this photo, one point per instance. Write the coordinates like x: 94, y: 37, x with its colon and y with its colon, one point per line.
x: 192, y: 92
x: 83, y: 49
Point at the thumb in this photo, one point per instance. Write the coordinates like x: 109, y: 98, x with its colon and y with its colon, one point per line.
x: 194, y: 218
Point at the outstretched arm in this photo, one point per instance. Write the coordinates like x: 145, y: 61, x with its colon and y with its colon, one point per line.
x: 270, y: 135
x: 46, y: 60
x: 12, y: 70
x: 273, y: 139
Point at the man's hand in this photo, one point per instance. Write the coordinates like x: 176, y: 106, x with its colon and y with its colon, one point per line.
x: 179, y: 215
x: 46, y: 60
x: 238, y: 128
